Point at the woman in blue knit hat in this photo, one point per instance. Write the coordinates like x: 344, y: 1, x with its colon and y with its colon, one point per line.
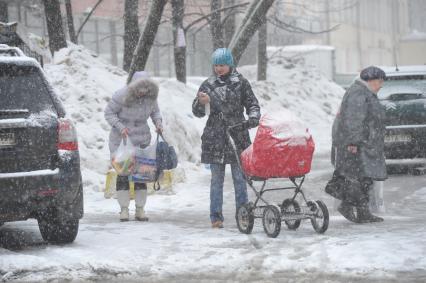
x: 224, y: 97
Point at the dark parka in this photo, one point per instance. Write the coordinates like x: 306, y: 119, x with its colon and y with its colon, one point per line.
x: 360, y: 123
x: 229, y: 95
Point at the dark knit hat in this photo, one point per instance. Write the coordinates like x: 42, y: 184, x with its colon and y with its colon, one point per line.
x: 372, y: 73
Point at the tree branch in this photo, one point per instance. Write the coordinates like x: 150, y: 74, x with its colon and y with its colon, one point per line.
x: 349, y: 6
x: 295, y: 29
x: 200, y: 28
x: 88, y: 17
x: 227, y: 16
x: 212, y: 12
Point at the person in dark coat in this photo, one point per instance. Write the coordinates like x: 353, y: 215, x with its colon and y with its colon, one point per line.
x: 127, y: 113
x: 225, y: 97
x: 358, y: 144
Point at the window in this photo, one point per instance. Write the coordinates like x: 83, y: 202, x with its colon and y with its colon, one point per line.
x: 22, y: 87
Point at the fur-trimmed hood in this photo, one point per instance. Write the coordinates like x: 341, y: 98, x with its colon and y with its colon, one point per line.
x: 147, y: 87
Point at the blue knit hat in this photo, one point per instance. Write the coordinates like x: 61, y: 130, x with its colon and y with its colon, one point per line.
x: 222, y: 56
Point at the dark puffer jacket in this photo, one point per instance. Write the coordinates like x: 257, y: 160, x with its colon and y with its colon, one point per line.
x: 229, y: 95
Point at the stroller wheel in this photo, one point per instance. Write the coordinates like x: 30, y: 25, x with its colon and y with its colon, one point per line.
x: 291, y: 208
x: 245, y: 218
x: 271, y: 221
x: 321, y: 217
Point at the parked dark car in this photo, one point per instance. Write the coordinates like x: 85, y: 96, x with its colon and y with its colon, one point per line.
x: 404, y: 97
x: 39, y: 159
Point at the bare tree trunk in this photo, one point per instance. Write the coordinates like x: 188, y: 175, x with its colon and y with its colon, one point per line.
x: 262, y: 57
x: 54, y: 25
x: 131, y: 31
x: 216, y: 24
x: 254, y: 18
x: 179, y: 40
x: 229, y: 24
x: 4, y: 16
x: 146, y: 40
x: 70, y: 22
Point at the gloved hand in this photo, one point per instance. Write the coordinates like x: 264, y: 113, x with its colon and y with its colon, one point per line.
x: 253, y: 122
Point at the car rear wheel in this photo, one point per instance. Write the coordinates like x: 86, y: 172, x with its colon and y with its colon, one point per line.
x: 58, y: 231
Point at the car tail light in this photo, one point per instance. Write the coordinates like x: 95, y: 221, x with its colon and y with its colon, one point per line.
x: 67, y: 135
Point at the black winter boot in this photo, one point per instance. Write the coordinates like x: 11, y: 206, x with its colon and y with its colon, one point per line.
x: 365, y: 216
x: 347, y: 210
x: 363, y: 211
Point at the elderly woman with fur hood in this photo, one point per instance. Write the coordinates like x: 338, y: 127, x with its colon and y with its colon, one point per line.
x: 127, y: 113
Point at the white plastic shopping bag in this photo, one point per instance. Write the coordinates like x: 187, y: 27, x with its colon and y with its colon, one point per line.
x: 377, y: 203
x: 145, y: 164
x: 123, y: 159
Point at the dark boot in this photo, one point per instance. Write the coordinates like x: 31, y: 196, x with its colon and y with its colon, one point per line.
x: 365, y: 216
x: 347, y: 210
x: 363, y: 211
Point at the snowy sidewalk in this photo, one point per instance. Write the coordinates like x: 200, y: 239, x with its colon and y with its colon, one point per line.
x: 178, y: 243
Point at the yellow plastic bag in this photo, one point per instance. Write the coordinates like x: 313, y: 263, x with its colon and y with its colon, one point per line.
x: 110, y: 183
x: 167, y: 180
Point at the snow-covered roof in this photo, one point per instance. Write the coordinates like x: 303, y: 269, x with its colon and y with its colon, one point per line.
x: 415, y: 35
x: 393, y: 71
x: 307, y: 48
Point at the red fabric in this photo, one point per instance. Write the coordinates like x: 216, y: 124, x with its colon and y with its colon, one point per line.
x: 280, y: 150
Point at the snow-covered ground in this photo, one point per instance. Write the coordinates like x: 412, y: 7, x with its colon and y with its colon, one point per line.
x: 177, y: 244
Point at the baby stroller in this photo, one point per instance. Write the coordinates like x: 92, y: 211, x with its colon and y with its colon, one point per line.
x: 280, y: 150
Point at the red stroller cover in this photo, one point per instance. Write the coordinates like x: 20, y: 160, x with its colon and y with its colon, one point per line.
x: 281, y: 149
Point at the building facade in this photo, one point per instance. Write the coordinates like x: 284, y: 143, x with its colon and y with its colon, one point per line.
x: 368, y: 32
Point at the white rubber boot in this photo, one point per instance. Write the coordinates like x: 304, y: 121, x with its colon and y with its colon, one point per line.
x: 123, y: 198
x: 140, y: 200
x: 124, y: 214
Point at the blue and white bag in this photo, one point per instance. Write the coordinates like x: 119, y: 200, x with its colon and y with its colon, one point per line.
x: 145, y: 165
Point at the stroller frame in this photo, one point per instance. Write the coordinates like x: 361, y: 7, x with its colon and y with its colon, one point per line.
x: 272, y: 215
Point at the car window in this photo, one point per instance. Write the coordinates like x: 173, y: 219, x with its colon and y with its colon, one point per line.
x: 22, y: 87
x: 402, y: 88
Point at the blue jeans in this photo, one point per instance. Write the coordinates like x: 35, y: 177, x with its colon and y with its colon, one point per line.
x: 216, y: 189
